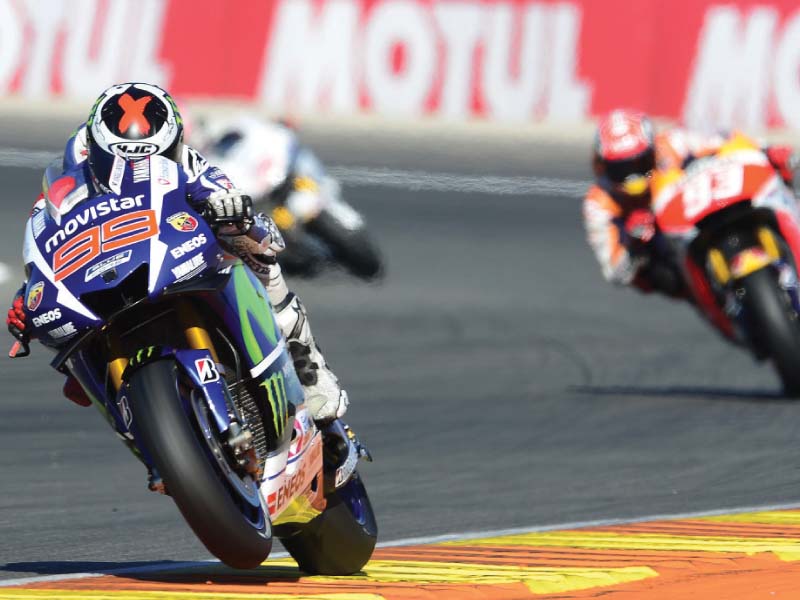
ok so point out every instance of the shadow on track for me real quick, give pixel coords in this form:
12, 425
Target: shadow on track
701, 392
165, 572
66, 567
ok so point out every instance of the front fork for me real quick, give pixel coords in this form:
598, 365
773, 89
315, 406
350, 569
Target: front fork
197, 338
726, 270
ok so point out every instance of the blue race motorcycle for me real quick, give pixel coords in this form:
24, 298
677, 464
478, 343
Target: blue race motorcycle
175, 343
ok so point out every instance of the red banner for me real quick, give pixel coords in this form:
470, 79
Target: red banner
708, 62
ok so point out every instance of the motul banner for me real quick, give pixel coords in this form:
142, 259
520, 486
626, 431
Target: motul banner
703, 61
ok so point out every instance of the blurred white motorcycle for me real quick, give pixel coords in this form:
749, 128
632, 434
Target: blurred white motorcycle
267, 160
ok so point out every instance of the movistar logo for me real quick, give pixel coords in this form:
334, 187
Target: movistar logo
91, 214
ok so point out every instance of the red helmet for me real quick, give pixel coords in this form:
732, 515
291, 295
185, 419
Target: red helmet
624, 151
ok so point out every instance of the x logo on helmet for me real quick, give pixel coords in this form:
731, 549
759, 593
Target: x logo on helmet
134, 113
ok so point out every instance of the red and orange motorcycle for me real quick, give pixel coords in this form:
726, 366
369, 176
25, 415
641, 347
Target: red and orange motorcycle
734, 227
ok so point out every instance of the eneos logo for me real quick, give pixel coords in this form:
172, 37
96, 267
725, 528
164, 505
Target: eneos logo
48, 317
182, 221
35, 295
188, 246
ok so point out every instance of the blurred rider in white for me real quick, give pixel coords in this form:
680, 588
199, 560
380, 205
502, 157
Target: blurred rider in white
144, 118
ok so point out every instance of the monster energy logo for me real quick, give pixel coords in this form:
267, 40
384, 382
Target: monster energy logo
90, 122
143, 354
175, 110
276, 394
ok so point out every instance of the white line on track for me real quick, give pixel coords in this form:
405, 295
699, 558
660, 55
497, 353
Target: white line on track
433, 539
5, 273
31, 159
415, 180
454, 182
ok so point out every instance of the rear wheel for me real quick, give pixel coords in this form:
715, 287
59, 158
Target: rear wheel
340, 541
217, 503
774, 325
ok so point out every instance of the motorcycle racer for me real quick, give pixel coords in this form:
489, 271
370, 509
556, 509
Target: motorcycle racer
617, 213
131, 121
278, 168
268, 159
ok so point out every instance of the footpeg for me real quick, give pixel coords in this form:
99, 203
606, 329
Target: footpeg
363, 451
342, 452
155, 483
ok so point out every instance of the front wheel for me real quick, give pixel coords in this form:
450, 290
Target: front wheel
774, 325
228, 519
304, 255
340, 541
352, 248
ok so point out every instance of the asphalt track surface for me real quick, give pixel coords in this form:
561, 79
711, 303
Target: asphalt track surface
497, 379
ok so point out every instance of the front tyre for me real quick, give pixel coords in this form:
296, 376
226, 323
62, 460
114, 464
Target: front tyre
197, 484
304, 255
353, 249
341, 540
774, 325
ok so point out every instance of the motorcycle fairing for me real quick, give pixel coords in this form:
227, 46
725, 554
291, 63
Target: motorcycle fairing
289, 488
103, 240
683, 203
715, 266
249, 317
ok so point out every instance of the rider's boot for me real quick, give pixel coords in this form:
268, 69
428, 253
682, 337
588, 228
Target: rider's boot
325, 398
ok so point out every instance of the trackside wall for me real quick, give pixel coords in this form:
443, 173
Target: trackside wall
706, 62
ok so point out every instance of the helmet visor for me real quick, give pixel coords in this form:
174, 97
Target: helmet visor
619, 170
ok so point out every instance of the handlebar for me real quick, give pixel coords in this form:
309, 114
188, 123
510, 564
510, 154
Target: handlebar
19, 350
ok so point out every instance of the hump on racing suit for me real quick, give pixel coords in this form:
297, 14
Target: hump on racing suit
202, 179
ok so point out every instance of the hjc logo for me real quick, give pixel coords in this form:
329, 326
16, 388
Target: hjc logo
129, 149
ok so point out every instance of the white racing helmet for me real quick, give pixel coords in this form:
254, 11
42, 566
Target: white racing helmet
130, 121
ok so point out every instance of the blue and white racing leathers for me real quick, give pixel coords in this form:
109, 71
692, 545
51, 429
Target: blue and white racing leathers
325, 398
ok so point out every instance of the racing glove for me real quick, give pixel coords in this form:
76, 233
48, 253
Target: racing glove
640, 226
264, 231
230, 211
15, 320
259, 246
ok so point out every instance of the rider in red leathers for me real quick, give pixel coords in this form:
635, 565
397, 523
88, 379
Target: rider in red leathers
617, 213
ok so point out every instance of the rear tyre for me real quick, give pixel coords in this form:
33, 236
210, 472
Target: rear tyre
351, 248
196, 484
341, 540
775, 325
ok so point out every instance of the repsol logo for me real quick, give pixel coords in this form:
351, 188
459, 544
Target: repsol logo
133, 149
89, 215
